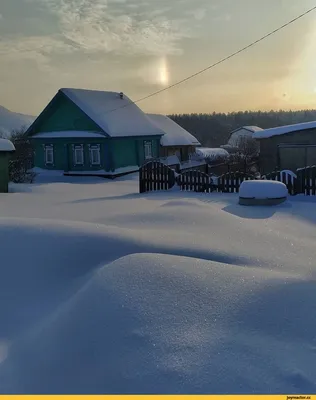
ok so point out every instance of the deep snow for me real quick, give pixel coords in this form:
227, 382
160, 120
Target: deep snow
105, 290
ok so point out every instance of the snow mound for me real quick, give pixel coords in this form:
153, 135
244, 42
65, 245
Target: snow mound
263, 189
149, 323
6, 146
170, 160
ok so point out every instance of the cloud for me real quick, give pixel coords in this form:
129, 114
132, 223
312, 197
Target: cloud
104, 26
198, 14
34, 50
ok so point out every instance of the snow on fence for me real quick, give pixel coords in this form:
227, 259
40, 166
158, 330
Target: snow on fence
157, 176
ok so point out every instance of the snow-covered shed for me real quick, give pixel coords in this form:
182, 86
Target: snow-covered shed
176, 140
92, 132
6, 148
287, 147
245, 131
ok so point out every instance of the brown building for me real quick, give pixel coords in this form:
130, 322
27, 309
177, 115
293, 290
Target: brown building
287, 147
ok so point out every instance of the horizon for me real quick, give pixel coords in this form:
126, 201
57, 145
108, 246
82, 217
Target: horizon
202, 113
140, 47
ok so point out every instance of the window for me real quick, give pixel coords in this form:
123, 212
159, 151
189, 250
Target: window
78, 155
95, 155
148, 150
49, 155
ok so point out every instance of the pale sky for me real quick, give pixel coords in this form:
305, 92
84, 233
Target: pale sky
140, 46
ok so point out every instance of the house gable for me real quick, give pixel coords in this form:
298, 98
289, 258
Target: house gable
62, 114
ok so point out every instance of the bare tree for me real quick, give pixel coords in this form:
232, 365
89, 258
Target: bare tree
247, 151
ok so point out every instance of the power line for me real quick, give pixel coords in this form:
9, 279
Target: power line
220, 61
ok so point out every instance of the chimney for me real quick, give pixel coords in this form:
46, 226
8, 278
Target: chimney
121, 95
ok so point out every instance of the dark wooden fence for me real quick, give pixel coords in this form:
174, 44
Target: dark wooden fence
195, 181
306, 181
155, 176
230, 182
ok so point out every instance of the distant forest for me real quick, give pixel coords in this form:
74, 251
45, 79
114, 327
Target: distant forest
212, 130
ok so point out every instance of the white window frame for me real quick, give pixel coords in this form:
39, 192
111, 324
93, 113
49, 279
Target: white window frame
148, 149
78, 149
49, 149
95, 149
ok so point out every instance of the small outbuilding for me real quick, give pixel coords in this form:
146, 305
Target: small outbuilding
287, 147
176, 141
6, 148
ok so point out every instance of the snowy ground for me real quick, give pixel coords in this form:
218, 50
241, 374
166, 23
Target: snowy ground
104, 290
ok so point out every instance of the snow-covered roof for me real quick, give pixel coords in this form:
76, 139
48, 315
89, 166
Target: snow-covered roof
118, 117
248, 128
68, 134
6, 145
175, 135
282, 130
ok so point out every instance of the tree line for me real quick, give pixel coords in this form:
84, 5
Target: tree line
213, 130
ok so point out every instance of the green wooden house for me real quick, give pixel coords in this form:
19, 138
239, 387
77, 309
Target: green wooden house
6, 148
89, 132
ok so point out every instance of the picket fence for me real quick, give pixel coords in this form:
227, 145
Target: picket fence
155, 176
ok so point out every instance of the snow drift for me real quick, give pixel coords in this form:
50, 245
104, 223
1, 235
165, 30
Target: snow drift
107, 291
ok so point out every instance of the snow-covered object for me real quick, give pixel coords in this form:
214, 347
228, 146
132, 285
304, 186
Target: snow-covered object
212, 153
6, 145
245, 131
251, 128
283, 130
262, 189
117, 116
288, 172
67, 134
10, 121
170, 160
175, 135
